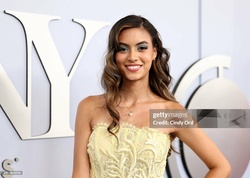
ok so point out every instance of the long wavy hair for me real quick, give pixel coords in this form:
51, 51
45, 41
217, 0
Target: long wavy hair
159, 76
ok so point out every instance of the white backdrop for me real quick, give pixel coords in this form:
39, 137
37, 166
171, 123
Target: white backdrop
190, 30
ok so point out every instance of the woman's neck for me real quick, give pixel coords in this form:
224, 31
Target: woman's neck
135, 92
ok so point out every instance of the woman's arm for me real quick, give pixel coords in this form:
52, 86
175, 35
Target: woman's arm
208, 152
81, 168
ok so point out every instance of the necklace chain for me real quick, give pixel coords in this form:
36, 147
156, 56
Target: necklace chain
130, 113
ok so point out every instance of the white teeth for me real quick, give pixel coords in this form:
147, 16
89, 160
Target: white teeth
133, 67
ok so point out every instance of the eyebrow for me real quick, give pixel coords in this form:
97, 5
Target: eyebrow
142, 42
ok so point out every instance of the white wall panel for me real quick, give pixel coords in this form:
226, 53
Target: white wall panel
225, 30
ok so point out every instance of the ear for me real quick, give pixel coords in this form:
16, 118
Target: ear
155, 53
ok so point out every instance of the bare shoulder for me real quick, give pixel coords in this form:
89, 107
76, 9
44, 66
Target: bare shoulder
94, 110
87, 106
172, 105
93, 100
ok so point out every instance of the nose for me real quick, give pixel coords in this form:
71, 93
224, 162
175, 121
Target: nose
133, 56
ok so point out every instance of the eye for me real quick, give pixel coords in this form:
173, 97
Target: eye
142, 47
122, 48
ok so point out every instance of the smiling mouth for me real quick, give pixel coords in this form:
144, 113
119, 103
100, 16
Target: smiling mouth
133, 68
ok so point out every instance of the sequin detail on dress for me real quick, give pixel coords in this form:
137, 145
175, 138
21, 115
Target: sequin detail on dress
141, 152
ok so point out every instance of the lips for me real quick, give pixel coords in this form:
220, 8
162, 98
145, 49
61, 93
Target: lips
133, 68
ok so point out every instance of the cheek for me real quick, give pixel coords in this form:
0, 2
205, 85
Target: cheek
120, 59
147, 58
148, 61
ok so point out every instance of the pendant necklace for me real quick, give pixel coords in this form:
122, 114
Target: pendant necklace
130, 113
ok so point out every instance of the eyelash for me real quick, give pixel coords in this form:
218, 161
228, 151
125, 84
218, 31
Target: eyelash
122, 49
140, 48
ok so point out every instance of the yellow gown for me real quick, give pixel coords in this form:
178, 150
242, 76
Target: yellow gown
138, 152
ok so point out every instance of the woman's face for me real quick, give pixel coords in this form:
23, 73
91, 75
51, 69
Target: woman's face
135, 55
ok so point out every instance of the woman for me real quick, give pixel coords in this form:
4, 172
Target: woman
112, 134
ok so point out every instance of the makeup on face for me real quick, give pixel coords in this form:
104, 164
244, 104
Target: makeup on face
141, 46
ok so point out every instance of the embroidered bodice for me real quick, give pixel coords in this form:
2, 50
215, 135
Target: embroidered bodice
140, 152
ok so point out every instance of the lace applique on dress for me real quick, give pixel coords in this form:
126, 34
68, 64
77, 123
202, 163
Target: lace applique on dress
140, 153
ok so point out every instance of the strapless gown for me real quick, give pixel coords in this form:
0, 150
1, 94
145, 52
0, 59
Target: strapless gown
138, 153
